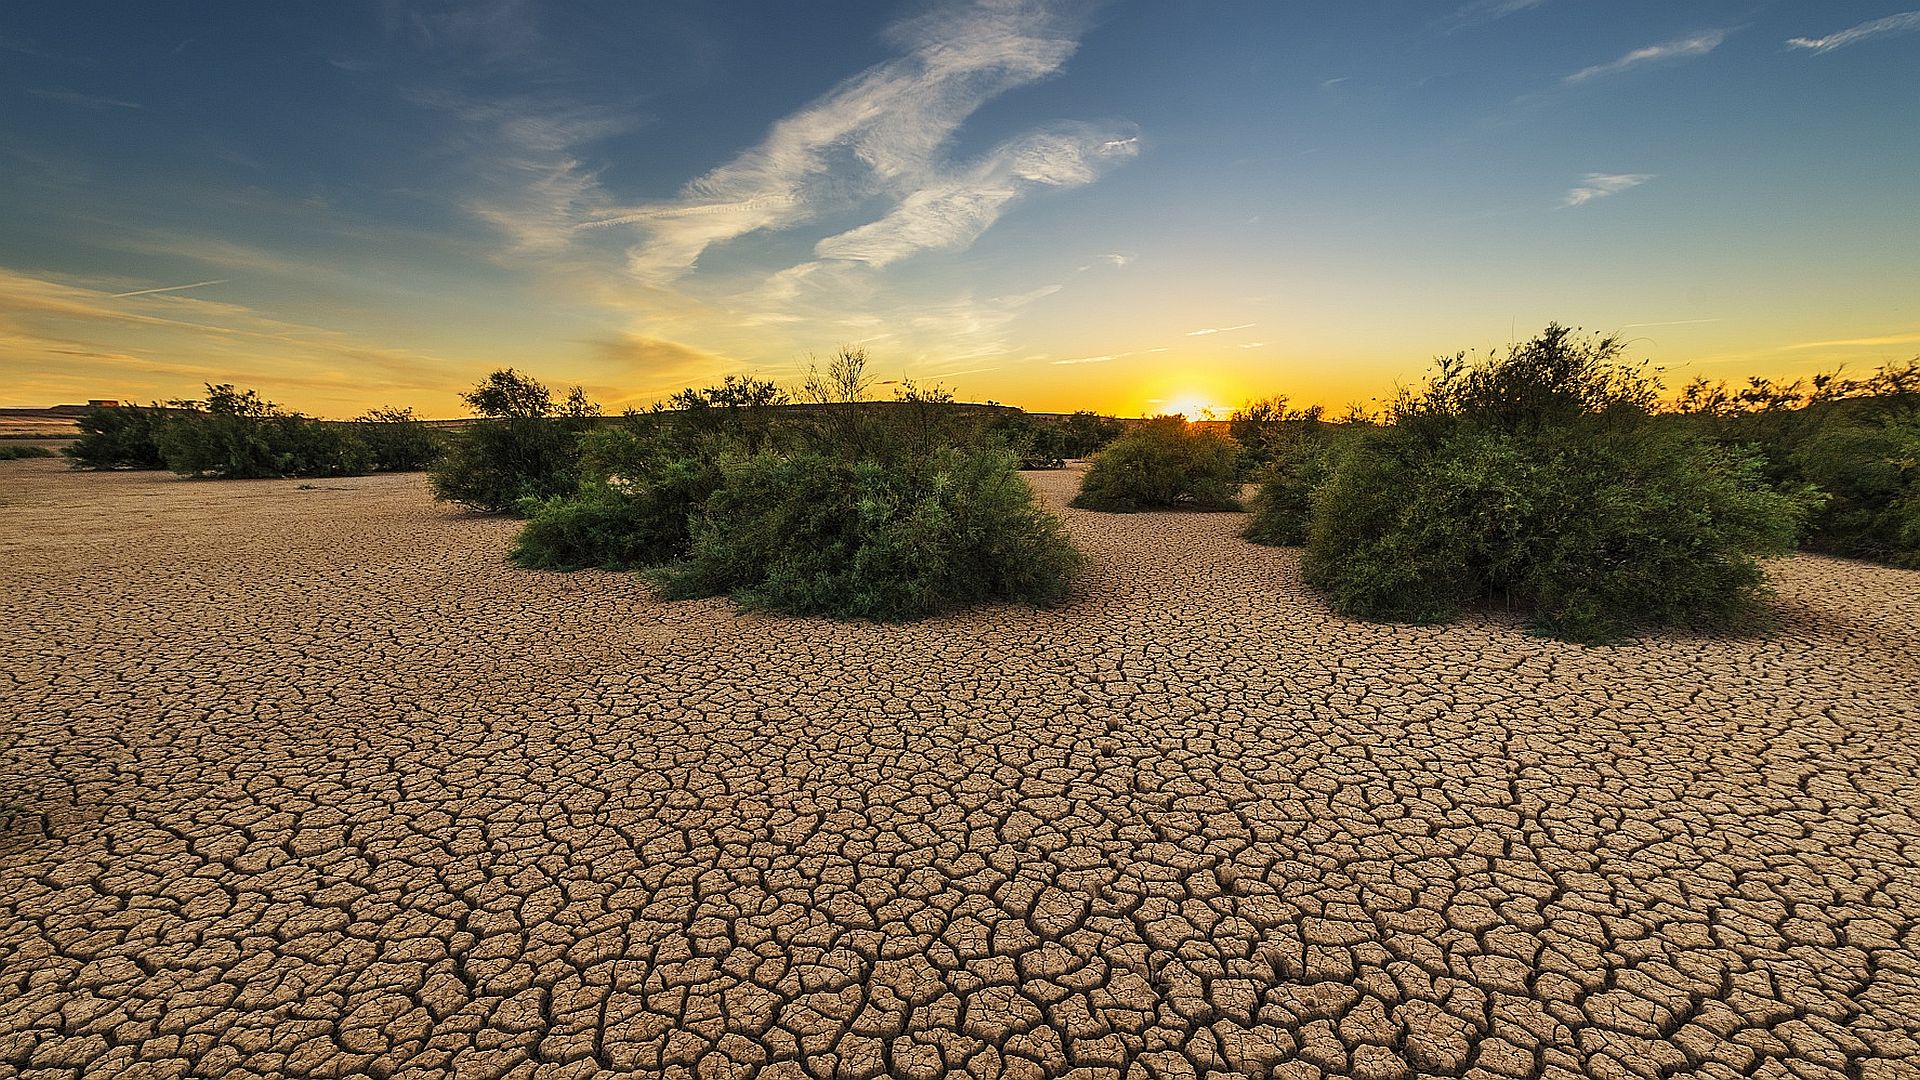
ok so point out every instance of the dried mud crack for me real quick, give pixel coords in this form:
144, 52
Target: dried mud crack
311, 783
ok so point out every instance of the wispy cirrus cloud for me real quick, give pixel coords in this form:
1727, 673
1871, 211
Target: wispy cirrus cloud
535, 187
1679, 48
1485, 11
1600, 185
882, 134
1904, 23
1207, 330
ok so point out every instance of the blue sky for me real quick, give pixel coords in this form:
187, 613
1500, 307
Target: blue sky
1121, 205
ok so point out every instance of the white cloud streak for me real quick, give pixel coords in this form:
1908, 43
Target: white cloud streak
1904, 23
883, 133
1485, 11
1206, 330
1600, 185
1699, 44
168, 289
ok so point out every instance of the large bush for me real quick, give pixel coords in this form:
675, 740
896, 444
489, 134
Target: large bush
1163, 464
1536, 479
523, 451
238, 435
816, 533
849, 508
119, 437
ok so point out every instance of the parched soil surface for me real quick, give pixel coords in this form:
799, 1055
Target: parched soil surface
310, 782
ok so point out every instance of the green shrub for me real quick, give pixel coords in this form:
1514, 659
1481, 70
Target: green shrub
815, 533
120, 437
1035, 443
622, 522
524, 451
1298, 459
1162, 464
1856, 439
1595, 531
1268, 427
397, 440
1871, 472
1084, 434
17, 451
238, 435
1537, 479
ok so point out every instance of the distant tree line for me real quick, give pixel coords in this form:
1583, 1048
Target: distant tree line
238, 435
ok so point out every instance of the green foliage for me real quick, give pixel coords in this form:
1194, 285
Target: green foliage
847, 507
1263, 428
17, 451
1299, 457
620, 521
1871, 471
1537, 479
1035, 443
524, 451
396, 440
1855, 439
1085, 434
1163, 464
120, 437
816, 533
238, 435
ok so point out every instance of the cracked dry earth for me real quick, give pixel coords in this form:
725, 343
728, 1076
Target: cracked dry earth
311, 783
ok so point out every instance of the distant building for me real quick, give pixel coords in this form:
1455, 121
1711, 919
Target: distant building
102, 403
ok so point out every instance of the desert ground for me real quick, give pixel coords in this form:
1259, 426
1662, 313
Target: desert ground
305, 780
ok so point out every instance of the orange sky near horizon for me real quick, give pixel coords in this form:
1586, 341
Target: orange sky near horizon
65, 342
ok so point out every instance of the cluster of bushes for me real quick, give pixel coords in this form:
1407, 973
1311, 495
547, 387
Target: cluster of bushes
1163, 464
853, 509
1543, 479
236, 434
1855, 440
17, 451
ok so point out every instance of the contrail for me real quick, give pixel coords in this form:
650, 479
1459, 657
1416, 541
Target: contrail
170, 288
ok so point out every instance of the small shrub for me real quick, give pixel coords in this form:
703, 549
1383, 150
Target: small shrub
814, 533
524, 451
120, 437
1162, 464
1538, 480
18, 451
397, 440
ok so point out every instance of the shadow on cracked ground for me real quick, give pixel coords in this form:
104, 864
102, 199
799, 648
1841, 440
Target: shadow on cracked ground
310, 782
